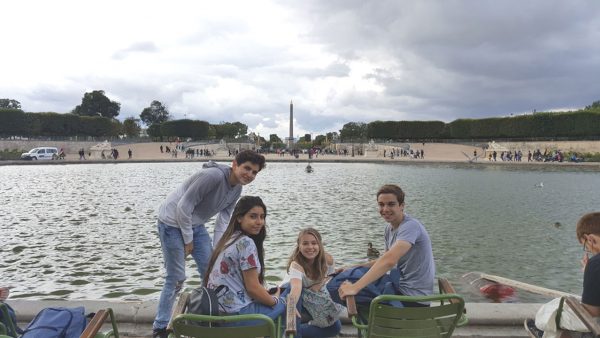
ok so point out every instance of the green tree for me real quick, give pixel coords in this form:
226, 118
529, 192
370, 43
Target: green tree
320, 140
594, 106
273, 138
96, 126
197, 130
13, 122
354, 131
97, 104
154, 131
332, 136
131, 127
10, 104
156, 113
229, 130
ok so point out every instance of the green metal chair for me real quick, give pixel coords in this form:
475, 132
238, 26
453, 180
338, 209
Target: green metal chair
188, 325
383, 320
92, 330
9, 330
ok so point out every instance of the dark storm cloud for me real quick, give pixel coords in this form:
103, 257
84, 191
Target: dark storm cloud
339, 60
468, 58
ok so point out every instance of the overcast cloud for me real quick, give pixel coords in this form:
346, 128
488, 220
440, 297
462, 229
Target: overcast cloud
339, 61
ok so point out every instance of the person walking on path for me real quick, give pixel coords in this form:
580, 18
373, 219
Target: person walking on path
214, 190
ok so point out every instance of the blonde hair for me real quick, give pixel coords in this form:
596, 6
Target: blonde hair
318, 269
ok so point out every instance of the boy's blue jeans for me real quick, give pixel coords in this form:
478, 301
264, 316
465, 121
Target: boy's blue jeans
171, 242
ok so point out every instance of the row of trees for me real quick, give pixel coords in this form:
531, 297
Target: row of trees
577, 125
14, 122
96, 114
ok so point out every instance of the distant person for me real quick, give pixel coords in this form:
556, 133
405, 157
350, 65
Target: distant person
407, 248
129, 152
161, 148
588, 234
211, 191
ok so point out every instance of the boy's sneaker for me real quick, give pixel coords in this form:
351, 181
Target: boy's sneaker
533, 331
160, 333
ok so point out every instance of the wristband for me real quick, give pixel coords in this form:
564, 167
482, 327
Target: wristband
276, 299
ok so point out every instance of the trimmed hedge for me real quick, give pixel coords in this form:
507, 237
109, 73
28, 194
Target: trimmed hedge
575, 125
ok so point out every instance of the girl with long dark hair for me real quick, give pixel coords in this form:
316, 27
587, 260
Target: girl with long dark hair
236, 268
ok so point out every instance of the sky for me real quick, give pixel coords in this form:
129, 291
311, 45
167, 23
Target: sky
339, 61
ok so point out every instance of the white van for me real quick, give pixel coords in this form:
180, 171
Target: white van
41, 153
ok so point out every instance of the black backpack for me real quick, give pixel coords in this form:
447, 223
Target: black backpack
203, 301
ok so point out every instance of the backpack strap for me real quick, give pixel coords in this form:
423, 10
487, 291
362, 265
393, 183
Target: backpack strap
559, 312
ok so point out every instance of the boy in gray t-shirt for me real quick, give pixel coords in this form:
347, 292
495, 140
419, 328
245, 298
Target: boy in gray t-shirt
416, 266
407, 246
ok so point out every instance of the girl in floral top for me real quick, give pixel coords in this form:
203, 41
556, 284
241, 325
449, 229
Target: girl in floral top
236, 268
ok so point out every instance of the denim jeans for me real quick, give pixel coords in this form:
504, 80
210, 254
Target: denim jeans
305, 330
311, 331
255, 307
171, 242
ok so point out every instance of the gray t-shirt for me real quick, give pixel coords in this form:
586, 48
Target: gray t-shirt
417, 269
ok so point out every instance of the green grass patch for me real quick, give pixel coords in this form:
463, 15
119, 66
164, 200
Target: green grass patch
7, 154
587, 157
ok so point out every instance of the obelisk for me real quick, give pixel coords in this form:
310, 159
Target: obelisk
291, 138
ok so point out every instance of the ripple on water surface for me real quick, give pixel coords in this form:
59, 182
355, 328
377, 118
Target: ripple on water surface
96, 236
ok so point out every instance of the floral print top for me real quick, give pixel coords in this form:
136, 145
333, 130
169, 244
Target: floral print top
226, 276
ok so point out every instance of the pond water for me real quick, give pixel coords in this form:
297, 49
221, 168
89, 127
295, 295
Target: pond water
89, 231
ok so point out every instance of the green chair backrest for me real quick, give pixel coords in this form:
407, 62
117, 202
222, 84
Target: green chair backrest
186, 325
435, 321
9, 330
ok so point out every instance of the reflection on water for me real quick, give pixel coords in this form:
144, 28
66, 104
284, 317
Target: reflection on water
88, 231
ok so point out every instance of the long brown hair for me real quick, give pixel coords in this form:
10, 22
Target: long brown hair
242, 207
318, 269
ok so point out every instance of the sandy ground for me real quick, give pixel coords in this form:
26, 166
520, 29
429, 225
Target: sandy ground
436, 152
